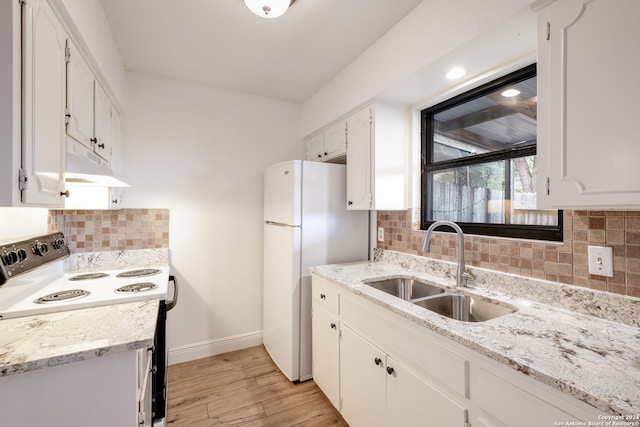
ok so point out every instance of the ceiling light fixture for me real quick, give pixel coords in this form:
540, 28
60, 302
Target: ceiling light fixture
268, 8
455, 73
510, 93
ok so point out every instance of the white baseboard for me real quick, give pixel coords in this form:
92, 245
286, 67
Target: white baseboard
214, 347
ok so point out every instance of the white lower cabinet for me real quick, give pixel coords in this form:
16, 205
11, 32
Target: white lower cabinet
412, 401
378, 390
362, 381
326, 356
392, 372
104, 391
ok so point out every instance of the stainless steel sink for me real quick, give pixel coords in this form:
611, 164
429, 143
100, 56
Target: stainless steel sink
464, 308
406, 288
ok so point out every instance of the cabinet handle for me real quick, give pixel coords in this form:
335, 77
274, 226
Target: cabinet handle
378, 361
319, 155
323, 296
326, 154
333, 326
65, 194
94, 140
390, 370
349, 202
101, 145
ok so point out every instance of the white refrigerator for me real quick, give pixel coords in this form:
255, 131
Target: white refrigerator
306, 223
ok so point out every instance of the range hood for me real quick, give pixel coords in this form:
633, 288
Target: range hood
86, 168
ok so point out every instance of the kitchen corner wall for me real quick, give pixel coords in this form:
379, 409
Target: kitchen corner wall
565, 262
110, 230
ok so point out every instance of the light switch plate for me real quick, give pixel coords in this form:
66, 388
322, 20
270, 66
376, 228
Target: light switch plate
380, 234
601, 261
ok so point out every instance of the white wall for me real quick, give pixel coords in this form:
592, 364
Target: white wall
20, 223
430, 31
201, 152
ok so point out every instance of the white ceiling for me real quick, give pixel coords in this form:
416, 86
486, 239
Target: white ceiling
221, 43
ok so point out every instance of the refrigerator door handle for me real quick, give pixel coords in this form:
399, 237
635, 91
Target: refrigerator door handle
279, 224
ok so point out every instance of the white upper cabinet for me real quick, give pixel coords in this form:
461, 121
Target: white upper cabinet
588, 147
359, 161
377, 158
43, 122
80, 83
89, 110
329, 145
103, 112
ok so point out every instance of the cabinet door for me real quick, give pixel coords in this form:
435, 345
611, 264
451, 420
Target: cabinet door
79, 98
587, 145
359, 192
43, 145
412, 401
102, 122
504, 404
315, 147
363, 379
335, 141
326, 352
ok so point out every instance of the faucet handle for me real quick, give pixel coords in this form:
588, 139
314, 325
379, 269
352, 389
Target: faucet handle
466, 278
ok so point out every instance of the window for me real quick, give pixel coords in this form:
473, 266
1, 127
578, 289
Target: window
479, 161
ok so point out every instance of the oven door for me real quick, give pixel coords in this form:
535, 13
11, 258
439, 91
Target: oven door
160, 355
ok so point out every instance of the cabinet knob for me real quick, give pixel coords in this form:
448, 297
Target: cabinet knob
94, 140
349, 202
323, 296
319, 155
378, 361
101, 145
390, 370
65, 194
326, 154
333, 326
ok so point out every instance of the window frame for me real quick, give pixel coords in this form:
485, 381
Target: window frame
533, 232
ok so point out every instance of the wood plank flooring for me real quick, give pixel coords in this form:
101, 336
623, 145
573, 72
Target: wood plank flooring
243, 388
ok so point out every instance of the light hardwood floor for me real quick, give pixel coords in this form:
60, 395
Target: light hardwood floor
243, 388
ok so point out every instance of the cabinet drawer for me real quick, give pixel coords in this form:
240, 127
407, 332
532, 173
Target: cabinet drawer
326, 294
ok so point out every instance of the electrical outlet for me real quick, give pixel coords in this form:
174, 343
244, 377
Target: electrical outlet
380, 234
600, 261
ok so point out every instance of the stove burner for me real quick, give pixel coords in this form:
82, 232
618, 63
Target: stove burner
139, 273
137, 287
62, 296
88, 276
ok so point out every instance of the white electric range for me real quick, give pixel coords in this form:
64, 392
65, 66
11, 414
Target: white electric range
35, 283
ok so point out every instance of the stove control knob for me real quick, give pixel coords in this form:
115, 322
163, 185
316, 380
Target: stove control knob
22, 255
58, 243
10, 258
40, 248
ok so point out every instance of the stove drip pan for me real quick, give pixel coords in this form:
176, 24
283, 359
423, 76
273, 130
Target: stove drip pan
62, 296
88, 276
136, 287
139, 273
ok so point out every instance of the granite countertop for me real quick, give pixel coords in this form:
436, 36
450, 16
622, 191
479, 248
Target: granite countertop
42, 341
593, 359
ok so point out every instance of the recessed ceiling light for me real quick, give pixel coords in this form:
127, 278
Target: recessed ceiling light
455, 73
510, 93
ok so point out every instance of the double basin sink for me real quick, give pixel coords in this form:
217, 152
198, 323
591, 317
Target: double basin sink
448, 304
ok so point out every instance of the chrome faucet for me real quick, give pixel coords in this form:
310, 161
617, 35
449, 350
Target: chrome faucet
461, 274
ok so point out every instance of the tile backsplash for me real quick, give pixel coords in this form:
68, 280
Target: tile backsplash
564, 262
109, 230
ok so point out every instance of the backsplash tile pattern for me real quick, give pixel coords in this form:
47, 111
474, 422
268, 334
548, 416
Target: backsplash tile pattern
109, 230
565, 262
